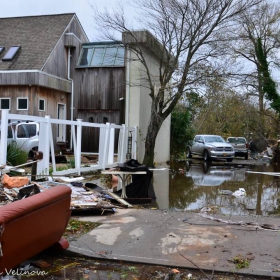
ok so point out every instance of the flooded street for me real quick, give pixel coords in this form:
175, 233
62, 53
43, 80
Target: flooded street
192, 185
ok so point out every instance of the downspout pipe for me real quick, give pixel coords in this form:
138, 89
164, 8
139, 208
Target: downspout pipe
72, 96
127, 101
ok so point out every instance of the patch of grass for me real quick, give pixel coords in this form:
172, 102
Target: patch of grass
71, 163
241, 262
15, 155
77, 228
58, 168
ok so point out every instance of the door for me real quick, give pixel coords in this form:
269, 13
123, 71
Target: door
61, 128
197, 147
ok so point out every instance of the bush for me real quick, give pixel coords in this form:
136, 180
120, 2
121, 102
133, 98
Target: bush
16, 156
181, 131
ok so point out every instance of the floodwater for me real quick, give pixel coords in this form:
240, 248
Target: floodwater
192, 185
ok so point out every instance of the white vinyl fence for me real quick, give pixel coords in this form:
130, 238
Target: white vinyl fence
106, 155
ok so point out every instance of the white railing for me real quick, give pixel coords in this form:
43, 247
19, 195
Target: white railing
106, 156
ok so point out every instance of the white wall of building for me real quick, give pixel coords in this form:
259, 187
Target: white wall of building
138, 109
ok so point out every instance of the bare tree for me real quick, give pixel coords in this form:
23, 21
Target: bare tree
188, 31
257, 31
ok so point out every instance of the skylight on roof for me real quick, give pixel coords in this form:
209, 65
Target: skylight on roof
2, 49
102, 56
11, 53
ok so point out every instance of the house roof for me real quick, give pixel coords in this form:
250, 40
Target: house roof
37, 36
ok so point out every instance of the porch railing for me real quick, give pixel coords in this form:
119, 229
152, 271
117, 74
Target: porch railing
106, 156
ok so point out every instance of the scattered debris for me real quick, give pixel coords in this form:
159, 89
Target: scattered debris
28, 190
41, 264
240, 192
69, 180
85, 196
14, 182
226, 192
203, 213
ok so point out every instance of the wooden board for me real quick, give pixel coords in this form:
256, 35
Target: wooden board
135, 200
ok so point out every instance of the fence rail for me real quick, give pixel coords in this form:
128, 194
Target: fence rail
107, 156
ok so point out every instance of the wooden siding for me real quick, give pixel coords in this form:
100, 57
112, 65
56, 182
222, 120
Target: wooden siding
100, 88
34, 93
57, 63
99, 92
90, 139
36, 78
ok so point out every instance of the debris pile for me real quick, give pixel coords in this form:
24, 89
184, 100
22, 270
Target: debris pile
15, 188
85, 197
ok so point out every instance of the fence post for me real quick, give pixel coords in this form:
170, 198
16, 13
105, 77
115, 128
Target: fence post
106, 142
111, 146
43, 166
123, 145
4, 137
73, 135
79, 146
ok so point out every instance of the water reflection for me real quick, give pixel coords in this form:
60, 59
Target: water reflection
194, 185
161, 187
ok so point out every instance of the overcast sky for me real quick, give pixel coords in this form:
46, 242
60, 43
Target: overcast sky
15, 8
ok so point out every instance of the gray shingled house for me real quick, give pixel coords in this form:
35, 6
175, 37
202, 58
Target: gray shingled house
38, 56
41, 73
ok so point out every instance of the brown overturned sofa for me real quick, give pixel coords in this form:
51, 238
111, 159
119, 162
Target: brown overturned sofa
33, 224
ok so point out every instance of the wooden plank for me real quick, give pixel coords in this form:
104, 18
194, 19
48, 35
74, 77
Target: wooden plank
119, 199
135, 200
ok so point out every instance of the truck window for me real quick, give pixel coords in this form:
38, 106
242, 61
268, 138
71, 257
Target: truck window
21, 132
26, 130
31, 129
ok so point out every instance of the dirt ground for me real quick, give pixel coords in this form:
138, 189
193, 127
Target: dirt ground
69, 266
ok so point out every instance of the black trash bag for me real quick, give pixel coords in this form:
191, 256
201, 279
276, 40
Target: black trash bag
28, 191
142, 184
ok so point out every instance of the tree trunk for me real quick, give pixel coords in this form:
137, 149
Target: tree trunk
261, 109
152, 132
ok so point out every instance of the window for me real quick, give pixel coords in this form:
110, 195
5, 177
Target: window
109, 56
11, 53
86, 57
22, 104
21, 132
97, 57
101, 55
30, 130
120, 57
5, 103
41, 105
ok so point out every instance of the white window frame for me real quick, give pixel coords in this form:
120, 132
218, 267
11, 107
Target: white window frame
41, 99
9, 102
18, 98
